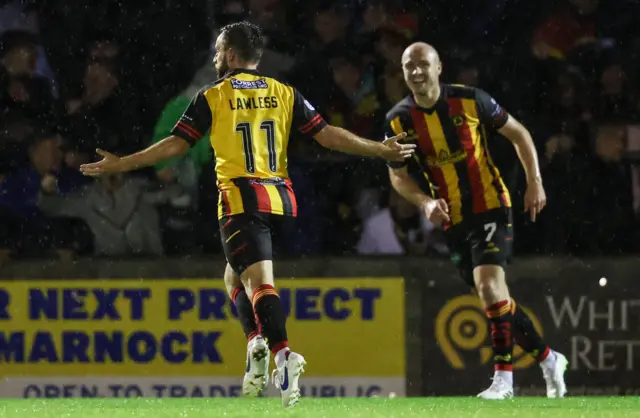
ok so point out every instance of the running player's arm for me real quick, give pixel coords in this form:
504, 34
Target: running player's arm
407, 187
491, 114
435, 209
308, 121
494, 116
195, 120
399, 175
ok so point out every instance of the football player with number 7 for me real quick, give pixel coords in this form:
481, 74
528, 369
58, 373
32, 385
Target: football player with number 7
453, 179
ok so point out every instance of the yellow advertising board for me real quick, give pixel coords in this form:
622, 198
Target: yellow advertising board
94, 335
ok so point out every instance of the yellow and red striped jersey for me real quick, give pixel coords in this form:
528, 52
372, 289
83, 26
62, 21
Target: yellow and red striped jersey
250, 117
452, 158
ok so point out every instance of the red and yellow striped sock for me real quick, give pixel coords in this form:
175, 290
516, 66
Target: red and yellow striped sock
501, 339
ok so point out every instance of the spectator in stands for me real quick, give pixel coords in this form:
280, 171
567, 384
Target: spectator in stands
184, 170
611, 208
119, 210
179, 213
330, 24
329, 29
564, 120
30, 232
15, 130
355, 103
616, 100
21, 89
400, 228
389, 45
271, 16
20, 189
100, 117
110, 68
22, 16
468, 74
573, 23
387, 14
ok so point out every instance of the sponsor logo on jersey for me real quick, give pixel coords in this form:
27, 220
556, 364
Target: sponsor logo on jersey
253, 84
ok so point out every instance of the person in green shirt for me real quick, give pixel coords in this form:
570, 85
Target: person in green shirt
184, 170
179, 215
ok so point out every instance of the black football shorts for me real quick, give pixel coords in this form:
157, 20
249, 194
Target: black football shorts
247, 238
484, 239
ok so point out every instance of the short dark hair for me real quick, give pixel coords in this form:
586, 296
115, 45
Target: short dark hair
246, 39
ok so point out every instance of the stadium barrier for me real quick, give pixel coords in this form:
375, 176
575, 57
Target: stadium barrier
368, 327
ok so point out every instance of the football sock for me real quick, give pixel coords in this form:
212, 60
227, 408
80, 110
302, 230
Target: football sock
526, 335
501, 319
270, 316
245, 312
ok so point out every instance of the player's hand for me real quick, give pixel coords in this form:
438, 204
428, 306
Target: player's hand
396, 151
437, 211
535, 199
109, 164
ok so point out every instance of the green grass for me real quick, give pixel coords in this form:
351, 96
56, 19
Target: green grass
315, 408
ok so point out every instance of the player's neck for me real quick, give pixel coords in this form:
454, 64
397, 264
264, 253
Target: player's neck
429, 99
244, 66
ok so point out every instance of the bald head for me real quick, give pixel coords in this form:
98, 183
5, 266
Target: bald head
420, 50
421, 67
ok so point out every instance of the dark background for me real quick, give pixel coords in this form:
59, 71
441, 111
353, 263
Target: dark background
74, 77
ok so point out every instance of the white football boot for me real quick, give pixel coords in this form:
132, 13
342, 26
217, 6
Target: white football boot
286, 377
500, 389
553, 372
256, 374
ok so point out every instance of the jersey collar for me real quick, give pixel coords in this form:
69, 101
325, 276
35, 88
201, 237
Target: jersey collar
241, 71
443, 97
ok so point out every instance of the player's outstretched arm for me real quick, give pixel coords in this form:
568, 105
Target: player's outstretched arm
169, 147
437, 210
342, 140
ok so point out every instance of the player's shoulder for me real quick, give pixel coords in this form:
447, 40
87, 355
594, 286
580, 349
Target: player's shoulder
400, 109
460, 91
211, 86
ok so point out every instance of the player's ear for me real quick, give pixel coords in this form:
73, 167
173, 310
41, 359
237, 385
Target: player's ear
439, 68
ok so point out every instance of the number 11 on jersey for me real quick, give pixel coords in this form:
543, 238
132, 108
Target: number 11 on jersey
247, 145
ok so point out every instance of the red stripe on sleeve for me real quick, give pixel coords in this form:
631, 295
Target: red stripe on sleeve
190, 130
475, 178
309, 125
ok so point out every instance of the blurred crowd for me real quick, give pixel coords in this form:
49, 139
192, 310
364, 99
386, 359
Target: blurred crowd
117, 75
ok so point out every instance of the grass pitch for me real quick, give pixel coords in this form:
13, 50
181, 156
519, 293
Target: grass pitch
324, 407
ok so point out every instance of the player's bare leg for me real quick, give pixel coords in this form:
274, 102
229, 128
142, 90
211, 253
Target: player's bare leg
258, 280
493, 291
256, 374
